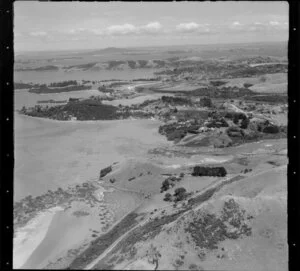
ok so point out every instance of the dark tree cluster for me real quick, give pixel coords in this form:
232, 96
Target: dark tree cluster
105, 171
206, 102
169, 183
179, 195
209, 171
176, 100
63, 84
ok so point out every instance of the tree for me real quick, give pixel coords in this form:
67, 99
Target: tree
247, 85
179, 193
245, 123
205, 102
165, 185
236, 119
167, 197
23, 110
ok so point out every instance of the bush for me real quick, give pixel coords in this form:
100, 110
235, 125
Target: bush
112, 180
272, 129
247, 85
245, 123
179, 193
168, 197
206, 102
165, 185
235, 132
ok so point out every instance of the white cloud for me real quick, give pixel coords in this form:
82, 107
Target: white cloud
77, 30
152, 27
38, 34
121, 29
187, 27
236, 23
274, 23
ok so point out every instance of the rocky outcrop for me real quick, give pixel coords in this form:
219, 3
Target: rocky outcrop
209, 171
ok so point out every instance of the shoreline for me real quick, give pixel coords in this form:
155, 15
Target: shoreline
37, 229
81, 121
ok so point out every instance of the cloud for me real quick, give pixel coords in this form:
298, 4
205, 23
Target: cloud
152, 27
187, 27
38, 34
236, 23
77, 30
193, 28
124, 29
274, 23
265, 26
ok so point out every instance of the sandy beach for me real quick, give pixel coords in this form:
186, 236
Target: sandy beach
29, 237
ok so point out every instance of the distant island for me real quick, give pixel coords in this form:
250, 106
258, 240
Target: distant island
65, 86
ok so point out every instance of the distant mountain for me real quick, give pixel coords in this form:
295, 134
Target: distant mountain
110, 50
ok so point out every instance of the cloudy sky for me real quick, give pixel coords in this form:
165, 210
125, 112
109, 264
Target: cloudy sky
79, 25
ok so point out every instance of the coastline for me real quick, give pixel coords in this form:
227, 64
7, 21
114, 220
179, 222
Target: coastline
31, 235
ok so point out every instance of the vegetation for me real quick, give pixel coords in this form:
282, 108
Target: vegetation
176, 100
217, 83
208, 230
45, 89
180, 194
268, 98
105, 171
209, 171
206, 102
63, 84
22, 85
99, 245
168, 197
81, 110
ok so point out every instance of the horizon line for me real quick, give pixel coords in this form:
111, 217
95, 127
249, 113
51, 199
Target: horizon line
148, 46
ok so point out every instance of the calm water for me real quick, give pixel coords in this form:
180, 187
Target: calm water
56, 76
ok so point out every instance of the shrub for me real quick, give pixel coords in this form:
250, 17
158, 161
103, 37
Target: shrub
168, 197
206, 102
247, 85
235, 132
236, 119
272, 129
245, 123
180, 193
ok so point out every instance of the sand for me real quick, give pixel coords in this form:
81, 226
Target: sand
29, 237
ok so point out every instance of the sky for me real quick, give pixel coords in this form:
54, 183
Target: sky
50, 26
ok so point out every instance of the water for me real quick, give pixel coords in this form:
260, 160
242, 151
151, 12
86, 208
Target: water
47, 77
27, 99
